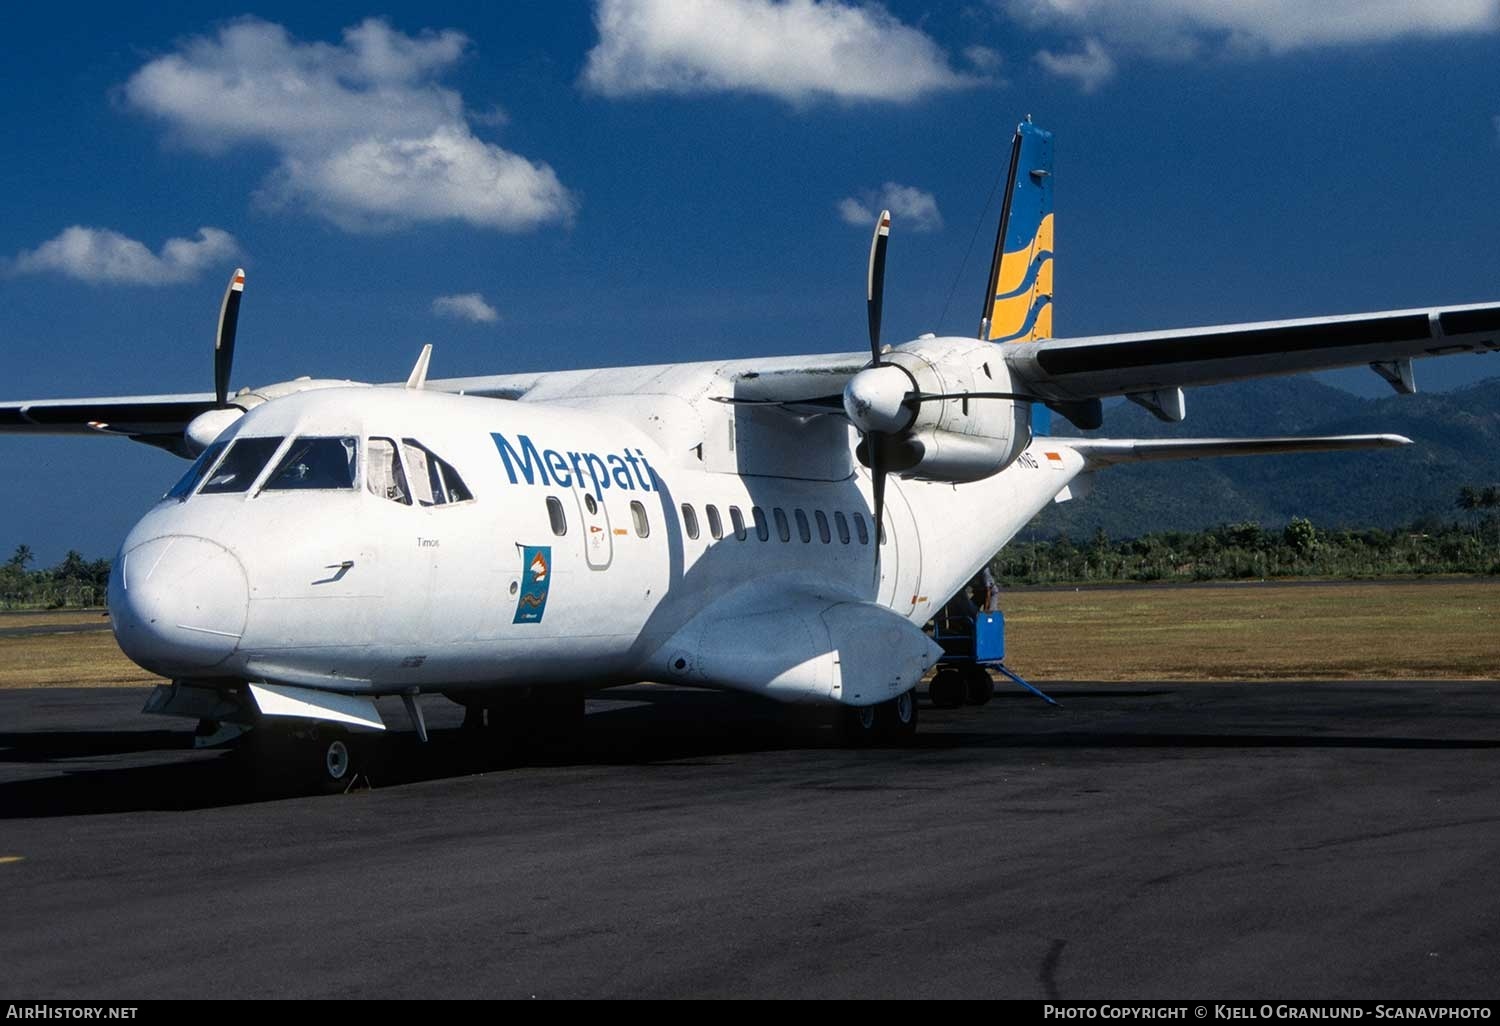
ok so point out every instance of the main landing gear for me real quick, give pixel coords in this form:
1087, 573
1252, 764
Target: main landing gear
892, 722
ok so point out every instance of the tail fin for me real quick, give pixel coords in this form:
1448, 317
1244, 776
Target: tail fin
1018, 299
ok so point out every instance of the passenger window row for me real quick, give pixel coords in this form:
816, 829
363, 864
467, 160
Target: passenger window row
691, 526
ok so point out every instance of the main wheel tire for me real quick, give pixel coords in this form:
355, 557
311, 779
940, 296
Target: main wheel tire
859, 726
947, 689
979, 686
898, 718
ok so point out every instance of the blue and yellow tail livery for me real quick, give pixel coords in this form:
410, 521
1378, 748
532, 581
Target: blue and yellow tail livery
1018, 305
1018, 299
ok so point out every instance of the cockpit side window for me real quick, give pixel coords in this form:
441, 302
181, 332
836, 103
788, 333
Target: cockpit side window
383, 474
316, 463
201, 466
433, 481
241, 465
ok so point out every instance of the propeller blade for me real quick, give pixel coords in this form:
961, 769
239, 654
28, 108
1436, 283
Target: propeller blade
876, 450
229, 317
875, 283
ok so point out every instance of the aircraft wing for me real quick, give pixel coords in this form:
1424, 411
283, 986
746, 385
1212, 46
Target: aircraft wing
1108, 365
155, 419
1108, 452
773, 379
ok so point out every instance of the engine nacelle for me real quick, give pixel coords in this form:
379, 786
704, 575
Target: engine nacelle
960, 439
203, 429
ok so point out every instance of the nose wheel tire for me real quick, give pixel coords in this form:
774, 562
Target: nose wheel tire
336, 762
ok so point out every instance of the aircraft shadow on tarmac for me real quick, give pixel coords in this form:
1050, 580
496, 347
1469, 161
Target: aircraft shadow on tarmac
158, 770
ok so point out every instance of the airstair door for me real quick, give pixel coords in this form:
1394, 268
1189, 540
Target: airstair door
598, 543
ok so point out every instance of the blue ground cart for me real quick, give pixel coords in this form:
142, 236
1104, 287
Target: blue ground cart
972, 646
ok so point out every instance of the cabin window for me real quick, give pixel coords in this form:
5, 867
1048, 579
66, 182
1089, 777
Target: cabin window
241, 465
556, 516
638, 514
433, 481
841, 522
738, 520
715, 525
315, 463
783, 529
590, 505
803, 531
690, 521
201, 466
861, 530
762, 530
383, 474
822, 519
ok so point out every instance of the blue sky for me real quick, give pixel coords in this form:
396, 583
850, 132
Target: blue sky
650, 180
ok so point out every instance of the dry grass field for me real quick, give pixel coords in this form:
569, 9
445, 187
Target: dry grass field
1400, 631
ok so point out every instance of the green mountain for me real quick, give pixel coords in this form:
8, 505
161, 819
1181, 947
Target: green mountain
1457, 436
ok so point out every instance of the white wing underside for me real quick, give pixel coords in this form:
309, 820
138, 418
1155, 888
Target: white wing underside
1108, 452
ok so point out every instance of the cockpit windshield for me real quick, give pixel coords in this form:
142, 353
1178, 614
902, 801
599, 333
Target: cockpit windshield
202, 465
424, 477
241, 465
316, 463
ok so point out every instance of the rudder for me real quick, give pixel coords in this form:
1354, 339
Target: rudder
1018, 298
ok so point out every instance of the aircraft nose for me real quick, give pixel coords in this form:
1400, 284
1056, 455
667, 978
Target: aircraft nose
178, 603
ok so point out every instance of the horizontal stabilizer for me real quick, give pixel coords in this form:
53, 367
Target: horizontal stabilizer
1106, 452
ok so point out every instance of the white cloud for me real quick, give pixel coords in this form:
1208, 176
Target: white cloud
467, 306
911, 208
1184, 28
794, 50
363, 133
984, 58
102, 255
1091, 67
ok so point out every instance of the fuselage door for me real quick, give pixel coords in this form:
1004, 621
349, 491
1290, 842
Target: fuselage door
598, 545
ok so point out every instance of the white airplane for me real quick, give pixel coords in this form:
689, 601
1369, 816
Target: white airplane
782, 527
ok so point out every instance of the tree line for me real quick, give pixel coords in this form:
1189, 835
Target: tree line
1248, 551
75, 582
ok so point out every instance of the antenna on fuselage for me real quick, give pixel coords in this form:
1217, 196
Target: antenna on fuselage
418, 377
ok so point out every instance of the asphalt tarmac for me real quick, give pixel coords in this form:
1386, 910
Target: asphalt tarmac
1174, 840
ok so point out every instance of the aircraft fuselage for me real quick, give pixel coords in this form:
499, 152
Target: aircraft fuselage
351, 588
